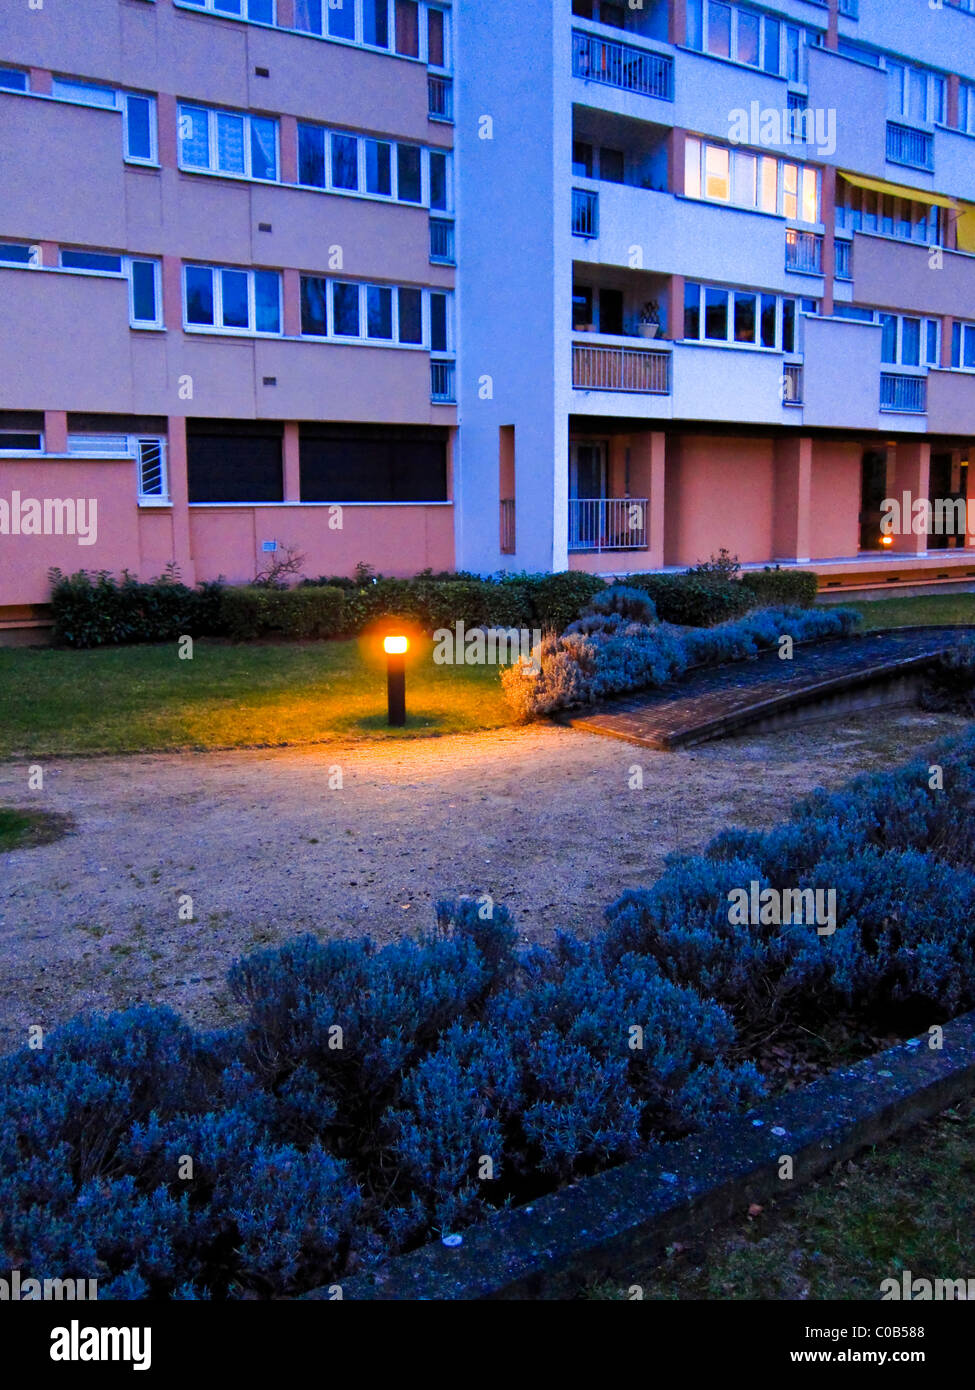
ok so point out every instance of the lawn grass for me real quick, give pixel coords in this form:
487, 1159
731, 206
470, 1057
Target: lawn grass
926, 608
144, 699
906, 1204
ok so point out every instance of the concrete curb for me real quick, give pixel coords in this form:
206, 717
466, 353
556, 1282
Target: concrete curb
608, 1223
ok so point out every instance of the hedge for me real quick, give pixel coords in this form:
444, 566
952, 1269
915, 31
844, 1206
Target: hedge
246, 613
694, 599
773, 585
606, 653
95, 610
350, 1114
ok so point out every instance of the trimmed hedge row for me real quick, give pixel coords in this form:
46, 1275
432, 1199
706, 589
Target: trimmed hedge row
351, 1113
246, 613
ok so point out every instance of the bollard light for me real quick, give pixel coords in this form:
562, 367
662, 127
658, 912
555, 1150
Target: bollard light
396, 649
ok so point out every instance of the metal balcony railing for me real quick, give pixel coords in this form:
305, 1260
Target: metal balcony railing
507, 526
441, 241
913, 148
585, 213
442, 382
907, 394
844, 260
440, 94
620, 369
792, 384
803, 252
622, 65
607, 523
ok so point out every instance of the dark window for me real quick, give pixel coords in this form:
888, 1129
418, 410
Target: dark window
410, 316
612, 14
379, 168
341, 21
611, 311
311, 156
438, 323
438, 181
378, 465
408, 28
436, 43
716, 314
692, 311
234, 465
345, 162
581, 159
581, 306
346, 309
375, 20
314, 305
408, 164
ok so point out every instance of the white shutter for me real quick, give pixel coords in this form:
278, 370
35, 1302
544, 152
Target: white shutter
152, 469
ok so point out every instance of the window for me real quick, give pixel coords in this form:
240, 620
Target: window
966, 107
377, 313
227, 461
226, 300
345, 163
436, 38
17, 441
963, 345
375, 23
257, 11
582, 310
362, 463
228, 142
145, 296
745, 36
742, 317
905, 341
11, 80
84, 93
915, 94
737, 176
408, 28
19, 253
149, 452
102, 262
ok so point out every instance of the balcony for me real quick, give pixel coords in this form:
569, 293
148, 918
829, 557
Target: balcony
803, 252
442, 383
912, 148
623, 66
440, 98
893, 274
441, 241
585, 213
907, 395
607, 523
645, 371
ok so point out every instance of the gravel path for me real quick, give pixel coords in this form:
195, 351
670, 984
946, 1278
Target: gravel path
543, 819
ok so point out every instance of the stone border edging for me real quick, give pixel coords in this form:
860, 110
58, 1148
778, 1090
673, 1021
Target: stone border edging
612, 1221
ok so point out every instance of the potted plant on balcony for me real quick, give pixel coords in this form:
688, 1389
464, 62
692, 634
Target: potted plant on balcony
649, 325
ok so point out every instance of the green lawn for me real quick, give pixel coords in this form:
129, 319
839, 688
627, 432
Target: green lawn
131, 699
907, 1204
18, 827
928, 608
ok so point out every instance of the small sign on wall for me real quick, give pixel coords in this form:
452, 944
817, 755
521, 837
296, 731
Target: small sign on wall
269, 547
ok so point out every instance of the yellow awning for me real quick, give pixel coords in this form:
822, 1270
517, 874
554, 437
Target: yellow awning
899, 190
965, 227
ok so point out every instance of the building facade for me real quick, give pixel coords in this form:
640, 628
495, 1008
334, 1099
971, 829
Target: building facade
548, 285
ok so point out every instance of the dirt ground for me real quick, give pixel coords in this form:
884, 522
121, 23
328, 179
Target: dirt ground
544, 819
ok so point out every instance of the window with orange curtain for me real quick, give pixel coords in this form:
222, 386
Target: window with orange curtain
408, 28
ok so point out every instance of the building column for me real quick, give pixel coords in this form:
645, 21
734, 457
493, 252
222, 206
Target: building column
167, 121
288, 136
833, 25
292, 461
909, 471
180, 497
55, 432
657, 494
675, 308
676, 141
954, 92
41, 81
677, 28
291, 289
792, 499
827, 214
50, 254
947, 324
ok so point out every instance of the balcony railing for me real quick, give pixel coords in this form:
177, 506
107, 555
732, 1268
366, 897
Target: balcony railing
607, 523
441, 241
507, 526
585, 213
620, 369
442, 382
803, 252
907, 394
440, 91
844, 260
913, 148
792, 384
622, 65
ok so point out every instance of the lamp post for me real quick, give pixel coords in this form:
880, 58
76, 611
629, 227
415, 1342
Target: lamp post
395, 649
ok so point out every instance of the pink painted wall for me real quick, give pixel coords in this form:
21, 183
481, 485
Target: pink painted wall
835, 499
719, 493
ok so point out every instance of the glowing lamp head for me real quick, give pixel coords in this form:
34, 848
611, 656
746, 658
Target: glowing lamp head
395, 646
886, 540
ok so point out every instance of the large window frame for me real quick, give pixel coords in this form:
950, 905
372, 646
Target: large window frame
148, 452
132, 269
751, 38
188, 120
253, 11
218, 300
369, 297
310, 134
80, 93
747, 177
774, 318
887, 215
402, 28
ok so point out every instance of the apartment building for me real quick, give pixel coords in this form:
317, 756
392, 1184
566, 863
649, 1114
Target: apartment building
227, 278
532, 284
729, 284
